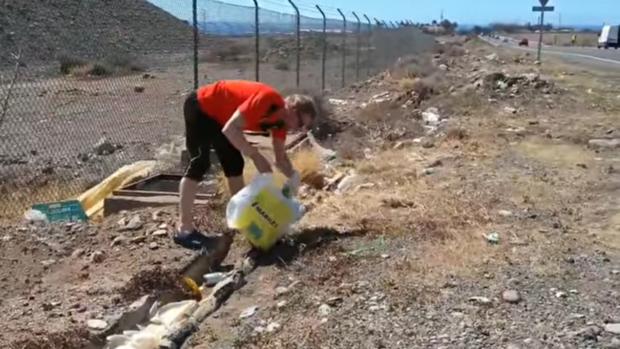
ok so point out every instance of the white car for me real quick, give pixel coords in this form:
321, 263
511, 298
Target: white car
609, 37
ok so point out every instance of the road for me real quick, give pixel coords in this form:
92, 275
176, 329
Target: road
601, 58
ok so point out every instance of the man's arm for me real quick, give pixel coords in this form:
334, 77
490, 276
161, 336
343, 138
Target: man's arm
283, 163
233, 130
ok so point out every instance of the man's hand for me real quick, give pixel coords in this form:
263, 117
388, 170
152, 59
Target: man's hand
293, 183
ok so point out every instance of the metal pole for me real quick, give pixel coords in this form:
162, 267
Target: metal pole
257, 38
344, 45
298, 41
358, 44
542, 21
195, 18
324, 56
369, 43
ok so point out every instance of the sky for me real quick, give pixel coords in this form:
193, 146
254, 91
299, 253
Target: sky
567, 12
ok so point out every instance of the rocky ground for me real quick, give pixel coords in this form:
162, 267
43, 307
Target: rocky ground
481, 214
472, 202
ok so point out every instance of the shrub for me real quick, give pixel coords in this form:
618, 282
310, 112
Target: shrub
68, 63
282, 65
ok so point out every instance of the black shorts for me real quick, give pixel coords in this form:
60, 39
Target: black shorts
202, 133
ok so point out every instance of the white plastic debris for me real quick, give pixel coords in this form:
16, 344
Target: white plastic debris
431, 116
248, 312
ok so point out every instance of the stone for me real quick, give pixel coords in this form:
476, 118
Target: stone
443, 67
7, 238
78, 252
49, 262
511, 296
134, 223
428, 171
590, 332
614, 344
138, 88
281, 290
560, 294
118, 240
492, 57
615, 272
153, 246
272, 327
138, 239
403, 144
324, 310
281, 304
347, 183
104, 147
436, 163
510, 110
480, 300
97, 257
95, 324
604, 143
160, 232
428, 143
613, 328
504, 213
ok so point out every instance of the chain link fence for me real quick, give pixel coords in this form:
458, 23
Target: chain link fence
86, 88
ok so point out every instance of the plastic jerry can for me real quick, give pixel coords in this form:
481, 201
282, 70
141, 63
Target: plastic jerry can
262, 213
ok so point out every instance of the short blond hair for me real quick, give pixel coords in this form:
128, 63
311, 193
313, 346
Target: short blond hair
303, 104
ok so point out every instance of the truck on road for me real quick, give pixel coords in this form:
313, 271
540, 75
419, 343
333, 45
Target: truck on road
609, 37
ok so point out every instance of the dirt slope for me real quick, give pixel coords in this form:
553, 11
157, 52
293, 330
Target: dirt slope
86, 28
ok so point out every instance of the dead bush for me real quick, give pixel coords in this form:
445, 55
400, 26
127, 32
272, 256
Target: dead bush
281, 65
456, 133
455, 50
113, 64
423, 88
224, 52
91, 69
412, 67
68, 63
122, 63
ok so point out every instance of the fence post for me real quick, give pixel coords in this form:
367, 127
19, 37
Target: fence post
358, 44
298, 41
324, 56
195, 18
344, 45
257, 44
369, 43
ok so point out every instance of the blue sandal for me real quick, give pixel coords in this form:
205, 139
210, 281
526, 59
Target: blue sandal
193, 240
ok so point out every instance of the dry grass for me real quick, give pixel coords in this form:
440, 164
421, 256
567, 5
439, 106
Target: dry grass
15, 202
412, 67
305, 161
400, 203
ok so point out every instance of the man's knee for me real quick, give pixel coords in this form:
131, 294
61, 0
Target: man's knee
197, 168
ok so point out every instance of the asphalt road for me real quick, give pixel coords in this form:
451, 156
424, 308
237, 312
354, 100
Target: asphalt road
601, 58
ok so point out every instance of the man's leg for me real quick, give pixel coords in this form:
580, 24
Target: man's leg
187, 190
197, 141
232, 162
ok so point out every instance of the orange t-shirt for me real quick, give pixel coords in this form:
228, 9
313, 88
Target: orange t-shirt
256, 101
